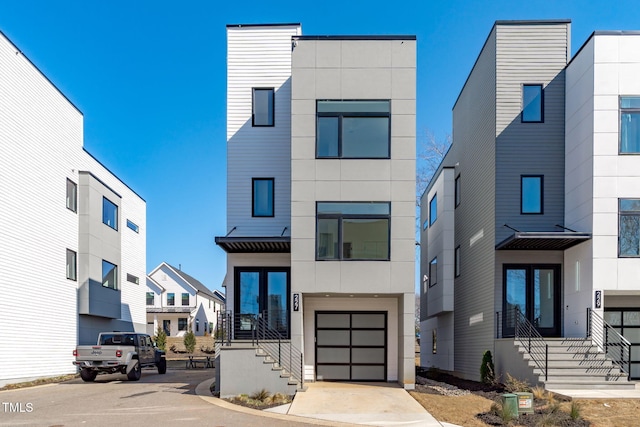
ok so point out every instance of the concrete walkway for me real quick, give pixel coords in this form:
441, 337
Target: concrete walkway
599, 394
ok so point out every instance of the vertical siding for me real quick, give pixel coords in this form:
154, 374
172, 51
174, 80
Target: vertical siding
258, 57
529, 54
474, 130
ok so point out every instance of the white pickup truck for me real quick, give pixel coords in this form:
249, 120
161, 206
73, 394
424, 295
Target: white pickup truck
124, 352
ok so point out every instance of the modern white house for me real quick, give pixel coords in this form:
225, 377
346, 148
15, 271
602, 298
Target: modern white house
320, 207
72, 234
530, 225
176, 302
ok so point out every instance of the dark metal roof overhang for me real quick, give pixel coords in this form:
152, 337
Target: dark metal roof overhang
275, 244
169, 309
543, 240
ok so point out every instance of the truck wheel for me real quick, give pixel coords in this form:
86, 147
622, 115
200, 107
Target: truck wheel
135, 373
162, 366
88, 375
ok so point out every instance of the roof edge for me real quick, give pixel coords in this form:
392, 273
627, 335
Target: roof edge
291, 24
356, 37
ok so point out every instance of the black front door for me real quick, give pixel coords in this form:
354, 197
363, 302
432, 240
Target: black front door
535, 290
261, 291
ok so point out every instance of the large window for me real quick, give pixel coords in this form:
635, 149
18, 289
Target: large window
531, 194
630, 124
185, 298
263, 197
433, 272
72, 196
171, 298
109, 213
71, 265
262, 107
532, 103
150, 298
182, 323
353, 129
629, 228
433, 209
109, 275
353, 231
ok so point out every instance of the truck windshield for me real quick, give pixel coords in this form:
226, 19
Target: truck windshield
117, 339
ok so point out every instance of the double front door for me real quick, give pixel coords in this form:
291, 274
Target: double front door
264, 292
535, 290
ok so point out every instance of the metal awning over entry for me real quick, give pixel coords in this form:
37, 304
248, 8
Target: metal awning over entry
543, 240
276, 244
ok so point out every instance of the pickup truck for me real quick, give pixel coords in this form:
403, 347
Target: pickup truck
124, 352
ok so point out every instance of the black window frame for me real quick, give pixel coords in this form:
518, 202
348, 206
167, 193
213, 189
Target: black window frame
106, 202
433, 213
133, 226
171, 299
253, 107
340, 217
522, 178
115, 286
457, 191
433, 272
626, 213
72, 197
151, 296
456, 262
183, 324
522, 117
183, 297
340, 115
133, 279
253, 197
72, 273
626, 110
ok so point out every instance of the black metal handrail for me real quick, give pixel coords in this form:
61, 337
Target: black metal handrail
615, 346
532, 341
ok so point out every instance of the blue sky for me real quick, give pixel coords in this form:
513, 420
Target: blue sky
149, 77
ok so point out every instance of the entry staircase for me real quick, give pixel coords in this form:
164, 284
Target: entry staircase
599, 361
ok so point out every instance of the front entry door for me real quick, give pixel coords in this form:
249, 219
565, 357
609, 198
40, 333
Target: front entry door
535, 290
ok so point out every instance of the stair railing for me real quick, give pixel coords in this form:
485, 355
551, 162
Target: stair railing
529, 337
615, 346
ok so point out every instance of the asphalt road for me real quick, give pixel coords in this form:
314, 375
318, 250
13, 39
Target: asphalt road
155, 400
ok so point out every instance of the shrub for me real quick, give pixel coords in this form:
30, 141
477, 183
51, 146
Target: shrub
260, 396
539, 392
487, 370
190, 341
575, 410
514, 385
502, 411
161, 338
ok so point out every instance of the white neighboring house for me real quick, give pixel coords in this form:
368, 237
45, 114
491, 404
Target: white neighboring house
72, 234
177, 301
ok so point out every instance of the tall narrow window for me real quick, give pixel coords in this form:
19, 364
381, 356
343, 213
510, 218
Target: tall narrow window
109, 275
630, 124
171, 298
109, 213
532, 103
433, 272
263, 197
263, 106
433, 209
185, 298
457, 191
72, 196
150, 298
531, 194
629, 227
456, 262
71, 265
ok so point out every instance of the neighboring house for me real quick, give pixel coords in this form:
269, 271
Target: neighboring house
73, 234
536, 206
320, 202
176, 302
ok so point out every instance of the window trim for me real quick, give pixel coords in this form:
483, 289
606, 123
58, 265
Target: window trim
340, 217
74, 208
433, 278
72, 275
457, 190
273, 107
115, 224
541, 86
522, 177
350, 114
622, 213
456, 262
433, 216
620, 112
253, 197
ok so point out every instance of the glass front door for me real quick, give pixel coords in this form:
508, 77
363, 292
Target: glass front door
534, 290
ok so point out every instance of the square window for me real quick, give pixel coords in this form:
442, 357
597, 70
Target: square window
262, 107
353, 231
72, 265
171, 298
433, 272
457, 191
72, 196
532, 103
263, 197
185, 298
433, 209
456, 261
109, 213
630, 124
109, 275
182, 323
353, 129
150, 298
531, 189
629, 227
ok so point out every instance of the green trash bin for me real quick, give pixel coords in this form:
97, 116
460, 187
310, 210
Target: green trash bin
510, 404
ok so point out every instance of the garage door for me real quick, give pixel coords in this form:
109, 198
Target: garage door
351, 346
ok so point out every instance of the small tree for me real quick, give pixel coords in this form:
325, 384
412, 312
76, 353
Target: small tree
487, 370
190, 341
161, 338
